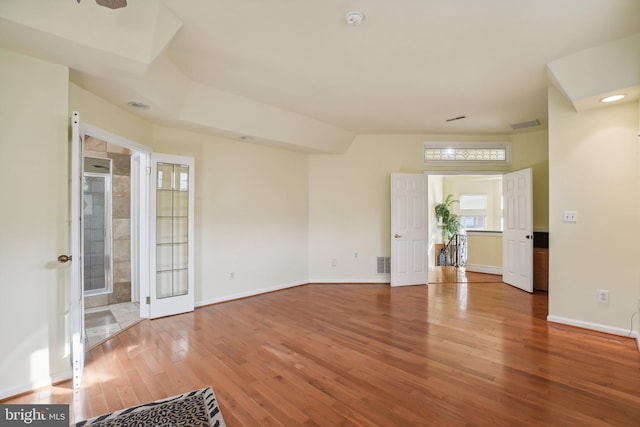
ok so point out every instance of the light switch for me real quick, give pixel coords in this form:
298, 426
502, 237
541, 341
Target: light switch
570, 216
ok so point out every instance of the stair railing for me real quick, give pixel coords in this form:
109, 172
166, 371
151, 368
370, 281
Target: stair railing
454, 253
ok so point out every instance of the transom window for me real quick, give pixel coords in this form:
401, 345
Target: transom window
467, 152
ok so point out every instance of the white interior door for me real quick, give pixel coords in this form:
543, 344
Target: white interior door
77, 276
517, 243
171, 211
409, 264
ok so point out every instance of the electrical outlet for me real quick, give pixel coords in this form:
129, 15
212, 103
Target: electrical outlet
355, 254
334, 263
232, 275
570, 216
603, 296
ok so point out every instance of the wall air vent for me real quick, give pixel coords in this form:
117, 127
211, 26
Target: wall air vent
383, 265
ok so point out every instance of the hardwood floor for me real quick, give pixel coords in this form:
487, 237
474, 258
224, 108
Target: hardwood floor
470, 354
459, 275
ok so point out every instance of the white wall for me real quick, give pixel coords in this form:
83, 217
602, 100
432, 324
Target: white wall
594, 168
251, 214
34, 227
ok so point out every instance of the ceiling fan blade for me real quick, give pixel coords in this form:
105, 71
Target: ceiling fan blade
112, 4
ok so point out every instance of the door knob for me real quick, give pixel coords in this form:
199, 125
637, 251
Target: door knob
529, 237
64, 258
397, 236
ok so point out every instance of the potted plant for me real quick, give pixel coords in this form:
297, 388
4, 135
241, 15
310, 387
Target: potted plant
447, 220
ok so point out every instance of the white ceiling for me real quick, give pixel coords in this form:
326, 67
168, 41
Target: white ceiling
411, 65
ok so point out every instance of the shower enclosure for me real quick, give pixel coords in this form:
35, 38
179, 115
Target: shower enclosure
98, 267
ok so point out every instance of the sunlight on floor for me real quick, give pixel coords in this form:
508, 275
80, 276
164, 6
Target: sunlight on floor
101, 323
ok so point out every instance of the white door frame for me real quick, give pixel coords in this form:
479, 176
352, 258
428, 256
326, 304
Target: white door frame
76, 308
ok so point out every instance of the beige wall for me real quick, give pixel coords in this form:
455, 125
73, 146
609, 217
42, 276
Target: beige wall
484, 252
34, 226
434, 196
350, 197
108, 117
531, 150
251, 202
593, 163
251, 215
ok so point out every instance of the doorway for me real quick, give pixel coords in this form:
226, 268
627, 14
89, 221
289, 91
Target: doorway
479, 210
111, 301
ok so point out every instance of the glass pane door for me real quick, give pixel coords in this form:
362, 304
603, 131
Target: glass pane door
173, 243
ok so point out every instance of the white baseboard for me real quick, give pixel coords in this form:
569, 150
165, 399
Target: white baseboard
249, 293
488, 269
25, 388
594, 326
286, 286
380, 279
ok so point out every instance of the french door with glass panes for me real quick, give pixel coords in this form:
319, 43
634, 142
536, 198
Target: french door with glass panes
172, 249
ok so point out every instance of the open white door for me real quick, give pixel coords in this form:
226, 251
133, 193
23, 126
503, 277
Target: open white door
517, 240
408, 229
76, 258
171, 211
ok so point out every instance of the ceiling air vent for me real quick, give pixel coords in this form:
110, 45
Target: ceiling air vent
527, 124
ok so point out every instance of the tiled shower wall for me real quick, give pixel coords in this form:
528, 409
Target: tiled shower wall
94, 247
121, 218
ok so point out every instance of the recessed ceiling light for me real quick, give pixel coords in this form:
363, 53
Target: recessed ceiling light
612, 98
138, 105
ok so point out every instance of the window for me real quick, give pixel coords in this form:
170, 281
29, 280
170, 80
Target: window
473, 222
467, 152
473, 202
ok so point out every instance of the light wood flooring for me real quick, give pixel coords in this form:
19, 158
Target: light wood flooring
465, 354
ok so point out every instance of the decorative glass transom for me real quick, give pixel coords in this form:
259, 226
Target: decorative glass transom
467, 152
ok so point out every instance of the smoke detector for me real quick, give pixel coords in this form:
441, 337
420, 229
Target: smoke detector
354, 17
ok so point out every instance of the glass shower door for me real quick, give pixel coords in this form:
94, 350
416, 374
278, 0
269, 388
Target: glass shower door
171, 290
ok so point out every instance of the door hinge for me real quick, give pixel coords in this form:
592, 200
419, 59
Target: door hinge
148, 170
148, 300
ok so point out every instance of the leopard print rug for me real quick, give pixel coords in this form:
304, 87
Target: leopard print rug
195, 408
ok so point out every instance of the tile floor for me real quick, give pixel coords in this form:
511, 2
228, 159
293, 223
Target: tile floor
101, 323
